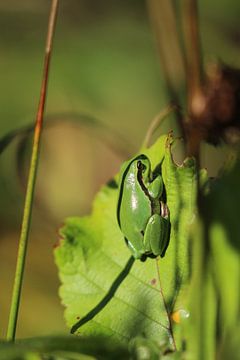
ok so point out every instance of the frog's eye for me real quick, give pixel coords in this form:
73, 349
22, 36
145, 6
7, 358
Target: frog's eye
141, 166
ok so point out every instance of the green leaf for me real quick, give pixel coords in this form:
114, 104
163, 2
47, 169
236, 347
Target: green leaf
180, 183
200, 330
103, 289
63, 347
221, 209
214, 294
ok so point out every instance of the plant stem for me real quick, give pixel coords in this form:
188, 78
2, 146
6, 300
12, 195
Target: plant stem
195, 75
163, 19
23, 240
193, 52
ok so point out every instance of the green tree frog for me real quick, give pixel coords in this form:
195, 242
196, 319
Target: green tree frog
142, 215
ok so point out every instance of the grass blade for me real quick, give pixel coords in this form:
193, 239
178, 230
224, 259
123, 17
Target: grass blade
12, 324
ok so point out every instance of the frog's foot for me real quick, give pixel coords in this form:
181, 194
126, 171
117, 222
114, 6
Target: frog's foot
137, 254
164, 210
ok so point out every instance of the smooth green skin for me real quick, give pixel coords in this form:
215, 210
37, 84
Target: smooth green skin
139, 209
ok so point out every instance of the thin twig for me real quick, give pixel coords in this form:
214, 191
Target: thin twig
13, 316
156, 122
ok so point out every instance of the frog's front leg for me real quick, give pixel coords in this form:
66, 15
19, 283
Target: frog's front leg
155, 188
156, 236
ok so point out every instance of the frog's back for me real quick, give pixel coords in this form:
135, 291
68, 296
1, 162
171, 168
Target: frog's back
134, 206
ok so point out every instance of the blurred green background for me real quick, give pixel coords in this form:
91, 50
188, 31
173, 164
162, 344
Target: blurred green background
105, 67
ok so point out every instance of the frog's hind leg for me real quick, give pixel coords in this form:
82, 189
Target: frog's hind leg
146, 240
156, 235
